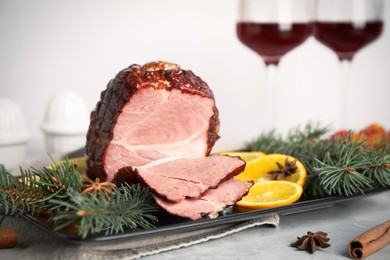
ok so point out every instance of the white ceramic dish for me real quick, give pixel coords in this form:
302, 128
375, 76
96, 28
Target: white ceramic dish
64, 143
13, 134
66, 123
13, 155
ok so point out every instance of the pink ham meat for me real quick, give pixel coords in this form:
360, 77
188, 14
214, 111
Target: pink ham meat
212, 202
177, 179
147, 113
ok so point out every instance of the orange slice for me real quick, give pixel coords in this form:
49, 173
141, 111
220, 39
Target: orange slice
269, 163
246, 156
79, 162
252, 164
269, 194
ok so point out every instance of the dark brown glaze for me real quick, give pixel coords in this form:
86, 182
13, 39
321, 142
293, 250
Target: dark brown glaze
157, 75
125, 175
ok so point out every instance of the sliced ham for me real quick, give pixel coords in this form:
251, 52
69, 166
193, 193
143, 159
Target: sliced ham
150, 112
177, 179
212, 202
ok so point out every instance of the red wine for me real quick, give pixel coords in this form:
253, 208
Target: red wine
271, 43
344, 39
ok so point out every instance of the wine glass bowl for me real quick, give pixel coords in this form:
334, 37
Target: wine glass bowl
347, 26
272, 28
268, 41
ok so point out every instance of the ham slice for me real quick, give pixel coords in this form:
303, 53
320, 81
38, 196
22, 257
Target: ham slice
212, 202
177, 179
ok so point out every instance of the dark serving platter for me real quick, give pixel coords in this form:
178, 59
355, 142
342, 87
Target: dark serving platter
169, 225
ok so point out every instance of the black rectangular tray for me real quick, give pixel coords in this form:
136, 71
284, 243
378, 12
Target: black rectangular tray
170, 225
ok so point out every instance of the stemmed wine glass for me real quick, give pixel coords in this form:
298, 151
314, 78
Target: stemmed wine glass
346, 26
272, 28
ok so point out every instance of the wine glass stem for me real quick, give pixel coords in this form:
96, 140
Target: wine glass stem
345, 72
271, 71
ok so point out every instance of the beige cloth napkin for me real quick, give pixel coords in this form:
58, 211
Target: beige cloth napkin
34, 243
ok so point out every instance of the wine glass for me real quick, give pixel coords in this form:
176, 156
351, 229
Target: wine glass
271, 28
346, 26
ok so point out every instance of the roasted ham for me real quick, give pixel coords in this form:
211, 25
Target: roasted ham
157, 124
150, 112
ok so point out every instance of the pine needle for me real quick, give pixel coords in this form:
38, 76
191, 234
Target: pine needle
130, 207
378, 169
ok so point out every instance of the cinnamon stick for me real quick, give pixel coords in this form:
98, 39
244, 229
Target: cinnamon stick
8, 238
370, 241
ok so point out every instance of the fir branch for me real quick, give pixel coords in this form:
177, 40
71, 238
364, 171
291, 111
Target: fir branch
303, 143
310, 131
57, 182
340, 175
19, 194
340, 166
36, 187
57, 189
7, 180
313, 187
268, 143
130, 207
378, 169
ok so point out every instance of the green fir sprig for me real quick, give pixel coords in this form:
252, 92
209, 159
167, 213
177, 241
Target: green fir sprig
340, 175
35, 187
57, 191
128, 207
341, 166
378, 169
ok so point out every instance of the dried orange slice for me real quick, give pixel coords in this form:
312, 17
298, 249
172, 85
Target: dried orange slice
252, 164
270, 163
269, 194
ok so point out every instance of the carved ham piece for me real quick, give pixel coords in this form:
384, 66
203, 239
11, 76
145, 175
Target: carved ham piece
177, 179
212, 202
147, 113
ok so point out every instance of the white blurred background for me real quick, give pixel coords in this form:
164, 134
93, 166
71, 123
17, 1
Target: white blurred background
49, 46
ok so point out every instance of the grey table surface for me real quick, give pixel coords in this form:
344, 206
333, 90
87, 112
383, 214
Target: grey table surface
343, 222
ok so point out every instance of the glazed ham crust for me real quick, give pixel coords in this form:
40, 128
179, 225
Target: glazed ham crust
147, 113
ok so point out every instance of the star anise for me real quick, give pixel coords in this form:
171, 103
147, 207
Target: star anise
311, 241
289, 168
96, 186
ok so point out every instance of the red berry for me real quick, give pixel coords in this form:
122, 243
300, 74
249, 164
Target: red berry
340, 135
